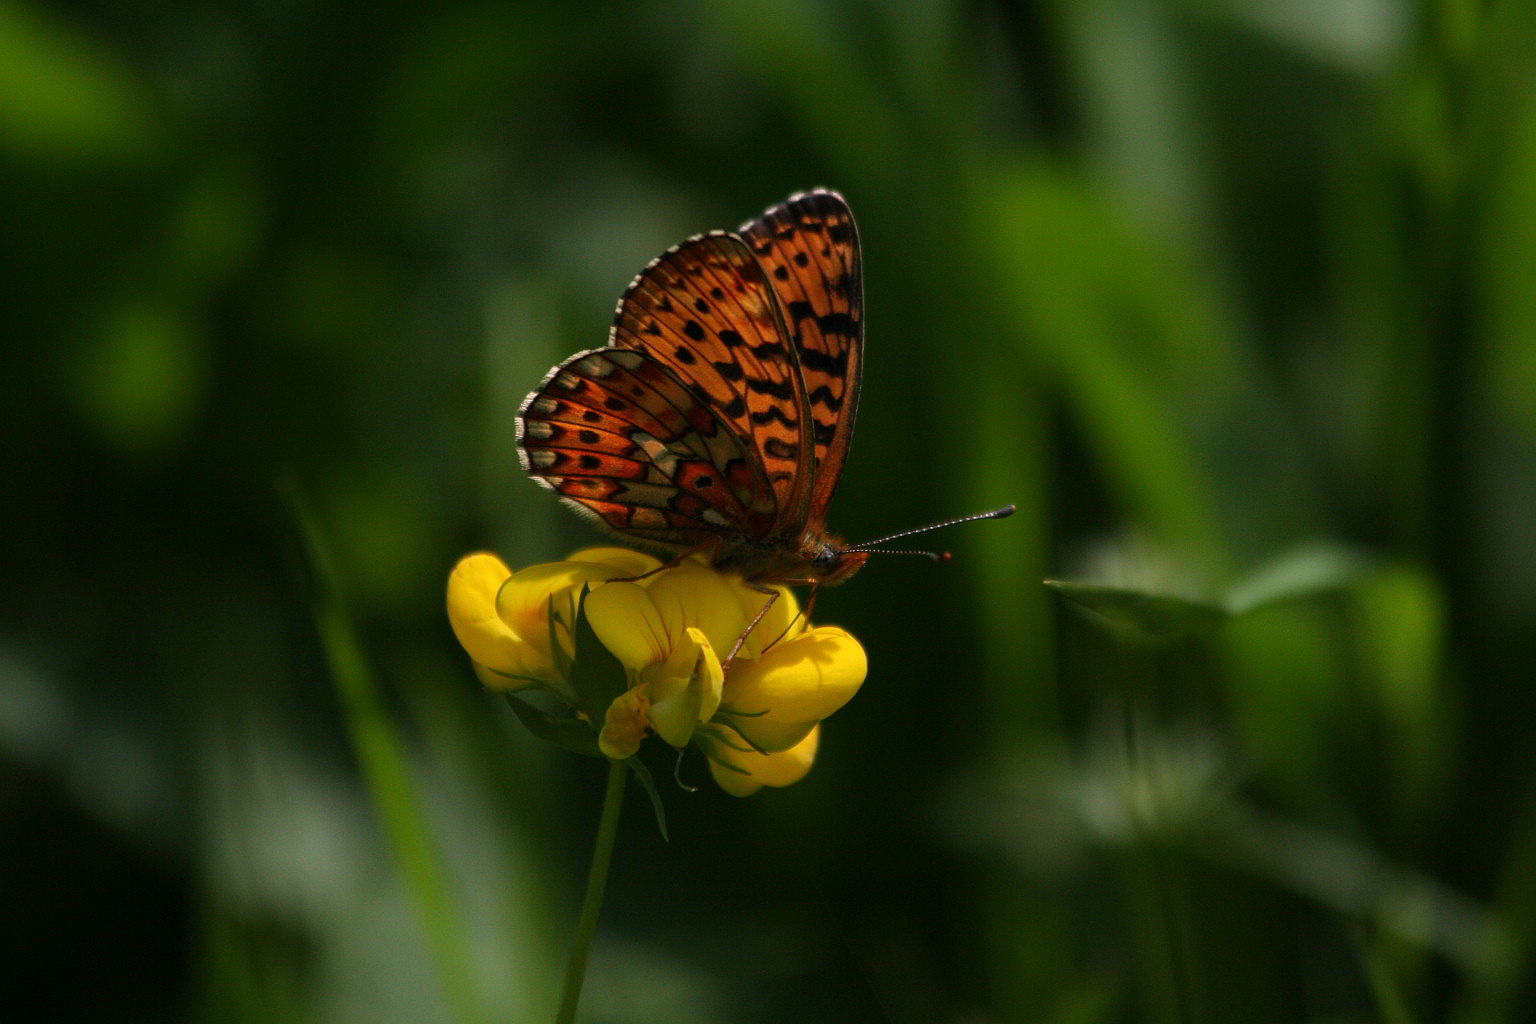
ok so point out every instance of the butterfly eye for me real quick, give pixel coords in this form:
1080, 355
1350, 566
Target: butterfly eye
826, 560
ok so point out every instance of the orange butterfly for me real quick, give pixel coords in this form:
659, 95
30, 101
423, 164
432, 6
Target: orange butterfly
719, 415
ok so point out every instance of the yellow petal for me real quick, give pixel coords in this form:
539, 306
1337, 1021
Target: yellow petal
626, 564
626, 622
523, 602
685, 689
489, 641
775, 700
693, 597
781, 769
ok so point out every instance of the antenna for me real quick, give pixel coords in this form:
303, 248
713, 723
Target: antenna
937, 556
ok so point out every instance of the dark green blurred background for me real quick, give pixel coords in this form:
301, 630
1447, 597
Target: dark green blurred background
1233, 298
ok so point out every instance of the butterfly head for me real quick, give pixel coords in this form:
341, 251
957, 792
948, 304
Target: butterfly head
830, 563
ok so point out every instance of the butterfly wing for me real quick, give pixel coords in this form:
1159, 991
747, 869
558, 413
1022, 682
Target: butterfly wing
808, 247
622, 440
720, 414
706, 311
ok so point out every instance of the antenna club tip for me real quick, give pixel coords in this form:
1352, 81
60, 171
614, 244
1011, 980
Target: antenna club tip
1007, 510
945, 556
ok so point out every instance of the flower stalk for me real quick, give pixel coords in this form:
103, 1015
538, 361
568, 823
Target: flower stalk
619, 648
592, 901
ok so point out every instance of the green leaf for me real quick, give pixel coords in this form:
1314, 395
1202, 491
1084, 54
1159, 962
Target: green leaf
1156, 617
565, 731
648, 783
1299, 573
596, 676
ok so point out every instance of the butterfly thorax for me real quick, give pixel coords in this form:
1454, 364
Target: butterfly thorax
815, 558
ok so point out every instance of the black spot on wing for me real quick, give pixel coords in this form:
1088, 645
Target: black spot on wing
838, 323
770, 414
820, 362
783, 390
823, 396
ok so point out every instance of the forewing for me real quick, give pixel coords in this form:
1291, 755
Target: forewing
706, 310
622, 439
808, 246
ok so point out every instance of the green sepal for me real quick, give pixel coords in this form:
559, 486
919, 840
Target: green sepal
556, 648
719, 737
718, 734
1149, 616
648, 783
565, 731
597, 677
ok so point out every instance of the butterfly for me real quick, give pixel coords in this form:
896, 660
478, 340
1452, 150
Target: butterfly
718, 417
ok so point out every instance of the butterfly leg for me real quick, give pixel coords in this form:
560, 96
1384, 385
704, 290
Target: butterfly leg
671, 563
773, 595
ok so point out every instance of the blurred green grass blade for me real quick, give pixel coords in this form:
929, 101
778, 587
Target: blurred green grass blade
1302, 572
1398, 616
1506, 300
1106, 318
1391, 1001
1503, 974
66, 98
1150, 616
1008, 460
382, 758
1161, 927
245, 976
790, 62
1354, 879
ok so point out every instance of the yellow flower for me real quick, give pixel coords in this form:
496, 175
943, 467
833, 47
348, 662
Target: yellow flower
502, 618
673, 631
756, 716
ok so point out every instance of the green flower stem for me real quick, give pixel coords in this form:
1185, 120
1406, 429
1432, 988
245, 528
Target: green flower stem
592, 902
